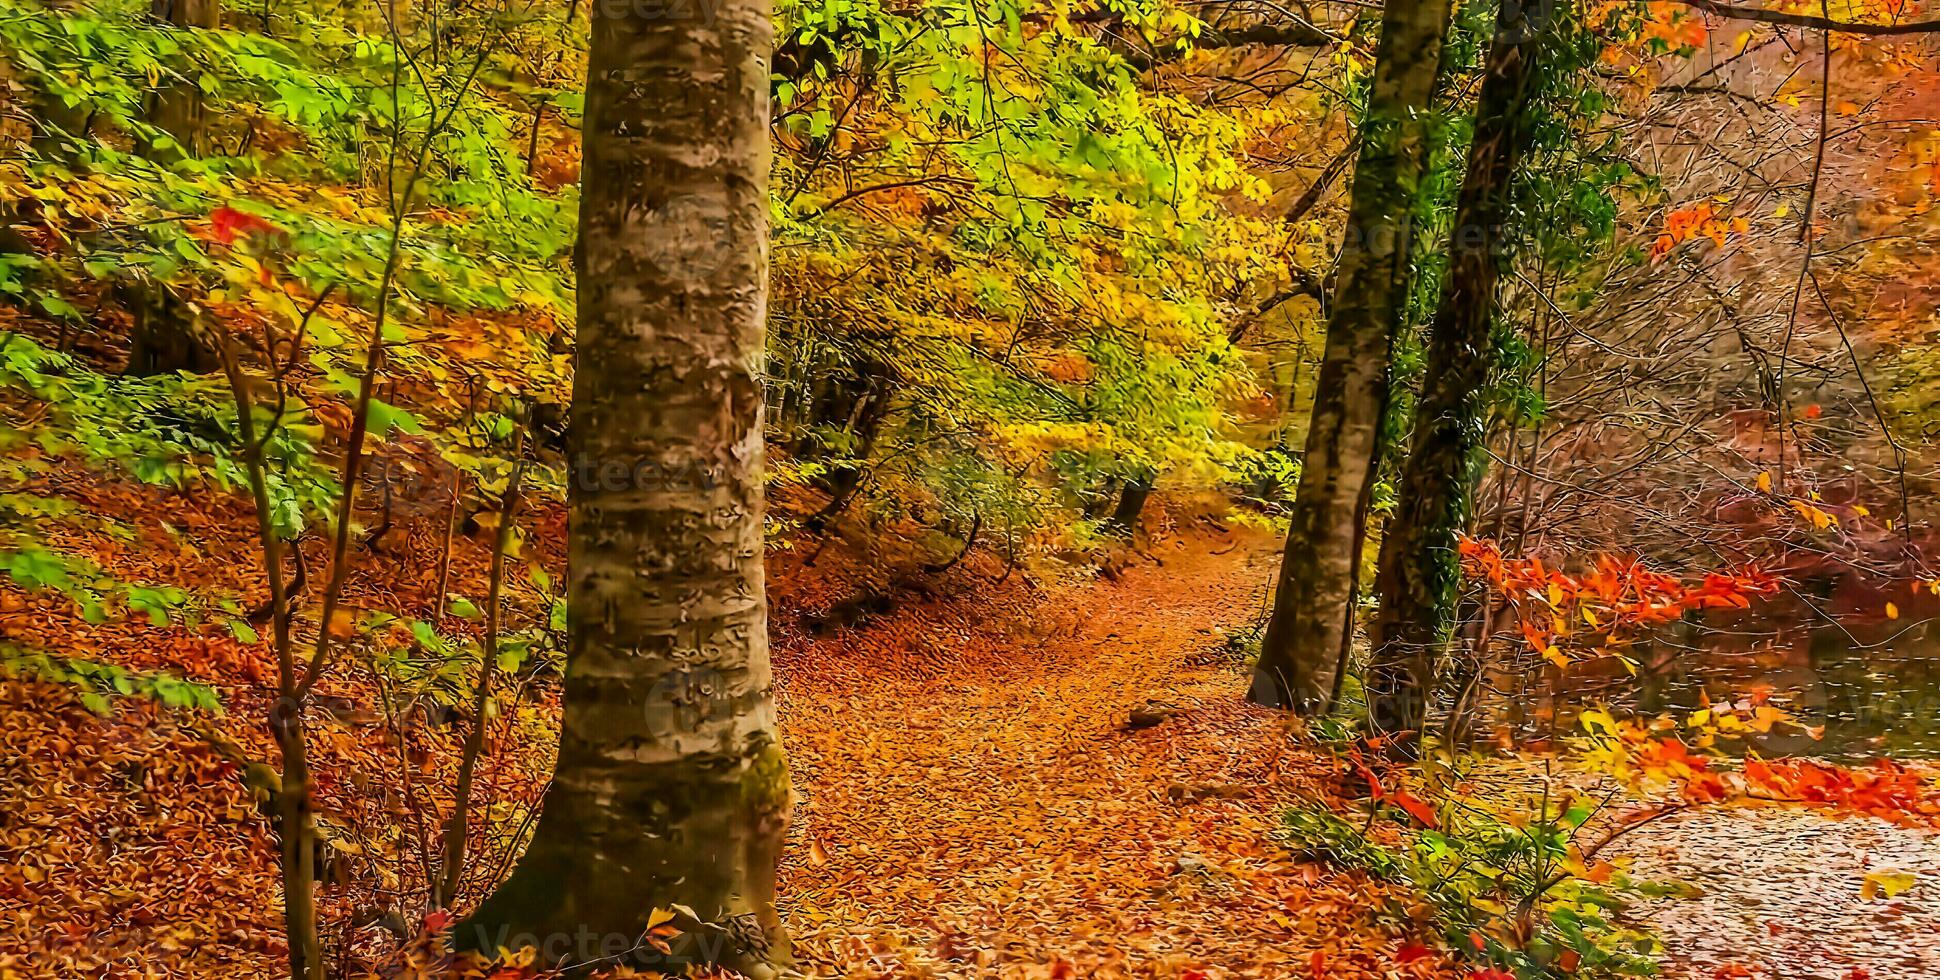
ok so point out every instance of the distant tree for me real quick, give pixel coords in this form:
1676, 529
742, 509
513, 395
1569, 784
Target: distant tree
1312, 610
671, 790
165, 337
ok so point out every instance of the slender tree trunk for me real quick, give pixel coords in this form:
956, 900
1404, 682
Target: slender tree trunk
1312, 615
458, 828
1418, 569
671, 787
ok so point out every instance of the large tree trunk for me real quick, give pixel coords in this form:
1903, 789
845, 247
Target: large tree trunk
165, 337
1418, 568
671, 787
1312, 615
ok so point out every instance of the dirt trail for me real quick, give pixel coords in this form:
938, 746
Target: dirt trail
975, 807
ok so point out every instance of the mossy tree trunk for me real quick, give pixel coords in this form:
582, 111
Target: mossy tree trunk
671, 788
1418, 569
1312, 611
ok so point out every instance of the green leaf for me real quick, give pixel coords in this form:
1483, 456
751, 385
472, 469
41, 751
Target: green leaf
384, 417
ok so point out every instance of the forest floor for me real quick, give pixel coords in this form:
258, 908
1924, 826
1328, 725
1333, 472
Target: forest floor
975, 802
1781, 895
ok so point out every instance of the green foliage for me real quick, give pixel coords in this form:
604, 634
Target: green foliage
173, 431
418, 661
1507, 887
1026, 249
96, 684
1268, 475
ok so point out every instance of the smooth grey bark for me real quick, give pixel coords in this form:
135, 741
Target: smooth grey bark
671, 790
1418, 568
1313, 617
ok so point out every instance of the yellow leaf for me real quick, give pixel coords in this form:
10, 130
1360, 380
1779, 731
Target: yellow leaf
1892, 611
1818, 518
1765, 482
1887, 881
1555, 656
1598, 720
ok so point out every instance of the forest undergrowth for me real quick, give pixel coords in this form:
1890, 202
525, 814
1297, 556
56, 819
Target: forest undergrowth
999, 774
976, 797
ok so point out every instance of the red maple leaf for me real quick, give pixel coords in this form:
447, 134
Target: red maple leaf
226, 224
1416, 807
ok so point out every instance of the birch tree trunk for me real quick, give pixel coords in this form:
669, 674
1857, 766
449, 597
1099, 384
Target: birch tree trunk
1313, 617
1418, 567
671, 790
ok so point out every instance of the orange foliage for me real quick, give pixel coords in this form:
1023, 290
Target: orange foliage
1885, 789
1616, 598
1641, 756
1700, 220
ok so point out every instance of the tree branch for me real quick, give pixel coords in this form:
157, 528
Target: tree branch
1811, 21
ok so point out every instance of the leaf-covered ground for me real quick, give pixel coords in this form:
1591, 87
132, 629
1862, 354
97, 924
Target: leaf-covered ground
973, 805
1783, 894
977, 807
975, 800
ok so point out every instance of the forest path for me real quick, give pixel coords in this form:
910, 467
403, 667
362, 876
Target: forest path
974, 805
